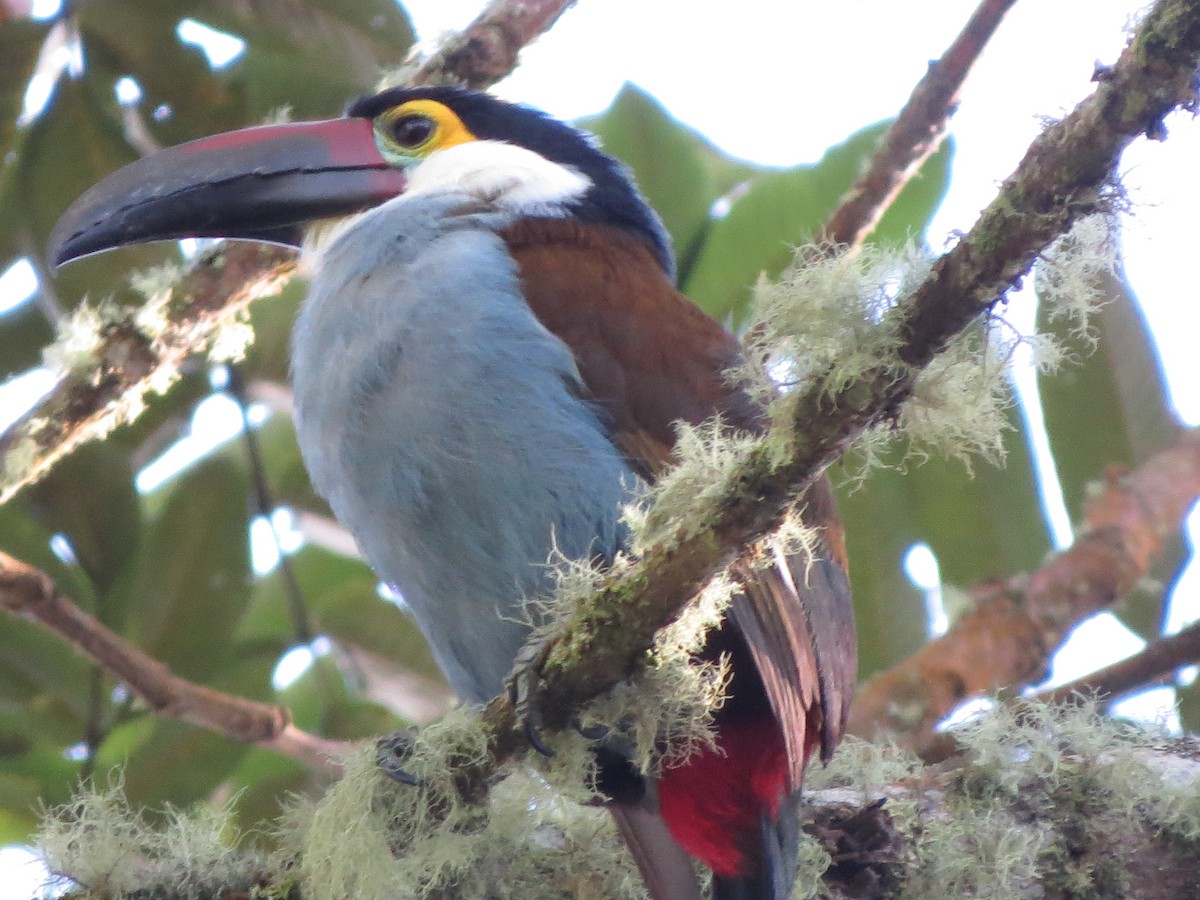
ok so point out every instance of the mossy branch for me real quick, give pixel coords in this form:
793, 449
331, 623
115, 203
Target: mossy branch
487, 49
135, 357
1041, 801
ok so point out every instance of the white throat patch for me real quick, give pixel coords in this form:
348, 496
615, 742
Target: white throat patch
502, 175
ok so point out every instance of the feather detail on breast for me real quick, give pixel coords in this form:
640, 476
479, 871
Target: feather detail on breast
648, 355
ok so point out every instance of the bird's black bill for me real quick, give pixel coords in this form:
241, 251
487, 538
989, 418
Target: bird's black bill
260, 183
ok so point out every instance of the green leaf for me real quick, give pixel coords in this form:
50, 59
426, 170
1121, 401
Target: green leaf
89, 497
193, 576
1110, 407
23, 334
357, 720
354, 613
20, 799
317, 571
680, 172
290, 485
76, 142
1187, 700
20, 43
781, 209
190, 100
180, 764
45, 768
16, 828
269, 357
312, 696
354, 39
262, 784
22, 536
41, 672
981, 527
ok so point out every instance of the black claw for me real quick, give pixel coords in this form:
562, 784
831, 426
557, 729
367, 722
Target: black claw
397, 774
533, 735
594, 733
390, 751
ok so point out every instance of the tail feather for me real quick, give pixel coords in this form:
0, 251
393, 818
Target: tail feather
667, 871
774, 878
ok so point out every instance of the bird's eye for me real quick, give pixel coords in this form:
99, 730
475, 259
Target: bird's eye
412, 131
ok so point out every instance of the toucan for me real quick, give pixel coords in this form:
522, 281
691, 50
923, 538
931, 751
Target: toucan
490, 364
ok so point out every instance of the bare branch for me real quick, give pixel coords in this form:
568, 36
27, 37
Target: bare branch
917, 132
30, 593
1157, 663
1007, 640
487, 49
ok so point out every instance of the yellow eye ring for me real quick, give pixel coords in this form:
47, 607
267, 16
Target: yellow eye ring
418, 127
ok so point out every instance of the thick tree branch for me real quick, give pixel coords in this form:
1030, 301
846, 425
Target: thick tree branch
27, 592
1041, 802
1060, 180
1008, 639
104, 392
1011, 828
916, 134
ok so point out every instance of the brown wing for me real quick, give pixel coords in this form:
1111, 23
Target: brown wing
650, 358
798, 623
647, 354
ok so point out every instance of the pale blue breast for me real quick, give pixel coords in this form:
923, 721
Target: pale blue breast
444, 425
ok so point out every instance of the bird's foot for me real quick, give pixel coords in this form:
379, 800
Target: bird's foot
392, 750
525, 692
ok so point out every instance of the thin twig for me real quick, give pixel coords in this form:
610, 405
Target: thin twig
916, 134
1157, 663
264, 507
28, 592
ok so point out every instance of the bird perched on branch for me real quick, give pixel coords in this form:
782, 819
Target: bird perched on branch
490, 363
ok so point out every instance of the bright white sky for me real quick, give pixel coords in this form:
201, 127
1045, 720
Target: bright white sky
778, 81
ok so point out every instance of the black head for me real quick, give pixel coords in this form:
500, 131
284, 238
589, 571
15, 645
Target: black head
613, 198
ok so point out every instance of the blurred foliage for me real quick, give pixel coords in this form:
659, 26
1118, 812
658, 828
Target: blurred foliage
171, 570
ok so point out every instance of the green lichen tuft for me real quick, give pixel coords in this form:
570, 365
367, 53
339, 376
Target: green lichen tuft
535, 836
1071, 275
682, 502
81, 335
157, 286
826, 318
1048, 802
99, 843
812, 862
